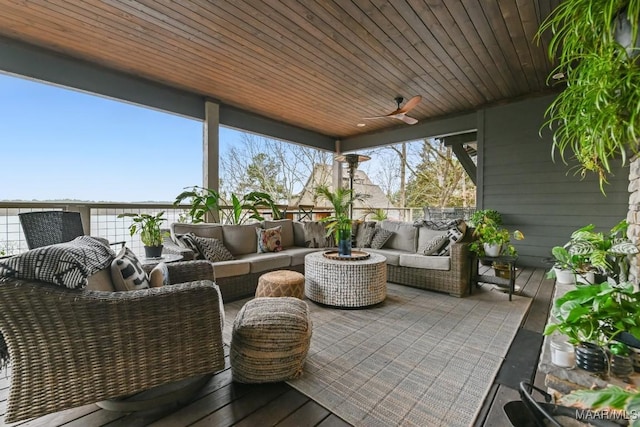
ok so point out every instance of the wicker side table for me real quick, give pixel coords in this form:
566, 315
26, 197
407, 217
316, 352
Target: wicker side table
345, 283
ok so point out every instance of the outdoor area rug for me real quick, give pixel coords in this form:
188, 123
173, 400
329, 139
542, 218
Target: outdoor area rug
419, 358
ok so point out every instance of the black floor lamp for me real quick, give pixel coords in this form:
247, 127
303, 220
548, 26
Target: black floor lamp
353, 160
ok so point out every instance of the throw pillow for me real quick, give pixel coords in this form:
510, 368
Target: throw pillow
159, 276
434, 245
269, 239
66, 264
315, 235
365, 233
188, 241
380, 238
212, 249
127, 272
455, 232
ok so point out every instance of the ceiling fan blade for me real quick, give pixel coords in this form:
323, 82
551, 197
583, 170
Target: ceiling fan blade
409, 105
373, 118
408, 120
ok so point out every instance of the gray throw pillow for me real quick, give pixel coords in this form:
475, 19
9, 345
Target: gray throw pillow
187, 241
365, 233
433, 246
212, 249
380, 238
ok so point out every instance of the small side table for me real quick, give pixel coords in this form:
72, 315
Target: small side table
500, 281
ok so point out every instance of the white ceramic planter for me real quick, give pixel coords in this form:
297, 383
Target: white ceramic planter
565, 276
588, 278
562, 354
492, 250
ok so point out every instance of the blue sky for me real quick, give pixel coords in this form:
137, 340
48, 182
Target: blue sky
58, 143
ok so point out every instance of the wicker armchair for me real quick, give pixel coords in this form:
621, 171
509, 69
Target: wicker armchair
74, 347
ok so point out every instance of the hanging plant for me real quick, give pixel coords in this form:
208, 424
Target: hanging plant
596, 118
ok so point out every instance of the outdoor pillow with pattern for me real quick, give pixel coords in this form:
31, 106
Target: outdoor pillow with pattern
127, 272
66, 264
212, 249
269, 239
434, 245
187, 241
380, 238
455, 232
365, 233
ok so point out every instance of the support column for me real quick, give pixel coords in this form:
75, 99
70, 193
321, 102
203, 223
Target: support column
211, 151
337, 168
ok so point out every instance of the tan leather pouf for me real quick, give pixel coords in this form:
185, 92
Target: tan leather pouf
281, 283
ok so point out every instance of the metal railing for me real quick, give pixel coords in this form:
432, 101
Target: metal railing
101, 219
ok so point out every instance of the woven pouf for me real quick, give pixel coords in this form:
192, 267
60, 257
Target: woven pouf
270, 340
281, 283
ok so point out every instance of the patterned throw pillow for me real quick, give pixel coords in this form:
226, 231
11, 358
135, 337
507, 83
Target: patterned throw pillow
380, 238
455, 232
269, 239
188, 241
127, 273
212, 249
159, 276
434, 245
66, 264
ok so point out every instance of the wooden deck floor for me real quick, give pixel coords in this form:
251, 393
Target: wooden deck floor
225, 403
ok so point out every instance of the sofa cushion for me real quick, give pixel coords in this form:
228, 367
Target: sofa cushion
269, 239
425, 262
286, 231
66, 264
380, 237
297, 254
298, 234
240, 239
201, 229
315, 235
127, 272
404, 235
233, 268
101, 281
392, 255
268, 261
159, 276
212, 249
364, 234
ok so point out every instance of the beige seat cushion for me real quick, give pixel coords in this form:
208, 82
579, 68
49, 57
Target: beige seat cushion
297, 254
425, 261
101, 281
267, 261
236, 267
392, 255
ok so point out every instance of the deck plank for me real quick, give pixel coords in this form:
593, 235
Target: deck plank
276, 410
333, 421
308, 415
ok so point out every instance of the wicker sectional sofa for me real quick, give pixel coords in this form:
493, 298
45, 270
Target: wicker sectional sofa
238, 278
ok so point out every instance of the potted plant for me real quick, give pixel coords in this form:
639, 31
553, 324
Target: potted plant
493, 240
567, 267
150, 233
592, 317
243, 208
591, 251
595, 117
480, 216
339, 224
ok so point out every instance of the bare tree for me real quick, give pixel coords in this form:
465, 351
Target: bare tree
273, 166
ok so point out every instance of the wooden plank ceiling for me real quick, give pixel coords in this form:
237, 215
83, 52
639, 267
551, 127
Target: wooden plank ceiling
320, 65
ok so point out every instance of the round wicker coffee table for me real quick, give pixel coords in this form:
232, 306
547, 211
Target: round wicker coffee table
343, 283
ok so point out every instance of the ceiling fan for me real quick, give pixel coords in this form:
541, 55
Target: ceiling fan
400, 113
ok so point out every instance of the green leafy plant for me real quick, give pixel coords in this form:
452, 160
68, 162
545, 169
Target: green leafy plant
606, 253
597, 116
341, 200
607, 400
240, 208
378, 214
480, 216
488, 233
596, 314
148, 226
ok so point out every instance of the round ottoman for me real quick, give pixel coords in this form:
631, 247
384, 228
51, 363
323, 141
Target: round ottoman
281, 283
270, 340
